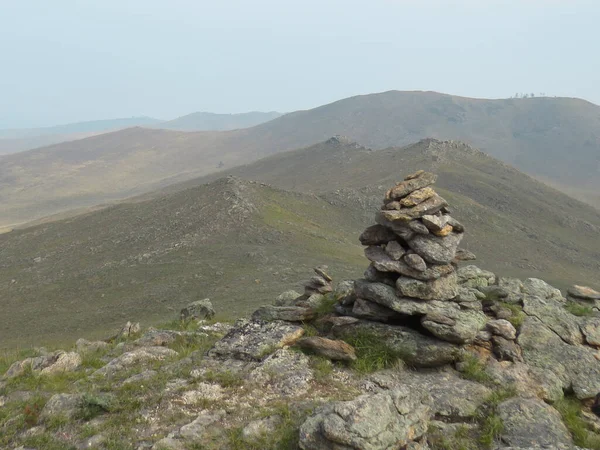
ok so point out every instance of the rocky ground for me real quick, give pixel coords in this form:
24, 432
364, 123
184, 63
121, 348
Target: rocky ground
425, 352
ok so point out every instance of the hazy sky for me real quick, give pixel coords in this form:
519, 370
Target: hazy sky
73, 60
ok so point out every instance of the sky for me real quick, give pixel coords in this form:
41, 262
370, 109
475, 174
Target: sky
66, 61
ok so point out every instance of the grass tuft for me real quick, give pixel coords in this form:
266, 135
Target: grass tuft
474, 370
371, 353
570, 410
577, 309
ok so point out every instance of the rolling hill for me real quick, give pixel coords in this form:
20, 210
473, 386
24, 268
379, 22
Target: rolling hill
552, 138
205, 121
16, 140
241, 243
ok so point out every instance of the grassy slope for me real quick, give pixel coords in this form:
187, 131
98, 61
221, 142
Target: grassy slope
204, 121
554, 138
239, 244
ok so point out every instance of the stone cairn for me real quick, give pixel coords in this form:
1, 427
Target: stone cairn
413, 250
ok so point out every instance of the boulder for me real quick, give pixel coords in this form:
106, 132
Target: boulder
288, 313
529, 422
328, 348
506, 350
435, 249
85, 346
285, 373
443, 288
287, 298
453, 324
414, 348
503, 328
65, 362
583, 292
62, 405
344, 292
379, 421
56, 362
195, 430
539, 288
575, 365
252, 340
198, 310
514, 288
463, 254
551, 312
369, 310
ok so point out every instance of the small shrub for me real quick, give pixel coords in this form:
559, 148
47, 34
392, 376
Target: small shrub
56, 422
490, 423
463, 439
474, 370
577, 309
322, 368
371, 353
327, 306
309, 330
491, 429
92, 406
570, 410
518, 316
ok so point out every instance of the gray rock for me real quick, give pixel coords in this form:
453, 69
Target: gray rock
411, 183
379, 421
400, 229
52, 363
287, 298
62, 405
417, 226
394, 250
196, 429
575, 365
85, 346
135, 357
368, 310
169, 444
128, 330
583, 292
443, 288
456, 225
285, 373
375, 276
539, 288
506, 350
473, 276
344, 292
590, 327
514, 287
141, 377
95, 441
383, 263
430, 206
328, 348
503, 328
414, 348
464, 254
157, 338
288, 313
452, 324
414, 261
198, 310
553, 314
376, 235
529, 422
453, 397
322, 272
435, 249
493, 293
435, 223
416, 197
252, 340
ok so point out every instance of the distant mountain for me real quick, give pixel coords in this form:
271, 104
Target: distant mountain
556, 139
16, 140
241, 243
205, 121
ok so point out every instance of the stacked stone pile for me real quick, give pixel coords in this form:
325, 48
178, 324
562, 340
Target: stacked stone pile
413, 250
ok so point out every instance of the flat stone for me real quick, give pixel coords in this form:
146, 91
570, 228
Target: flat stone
287, 313
444, 232
416, 197
63, 405
456, 225
378, 421
344, 292
464, 255
443, 288
456, 325
252, 340
415, 262
417, 227
331, 349
474, 277
406, 187
322, 272
376, 276
287, 298
376, 235
552, 314
395, 250
529, 422
435, 249
400, 229
539, 288
583, 292
383, 263
285, 373
428, 207
434, 223
85, 346
196, 429
135, 357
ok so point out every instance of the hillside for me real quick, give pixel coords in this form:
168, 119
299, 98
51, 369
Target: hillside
16, 140
553, 138
523, 227
235, 242
162, 250
205, 121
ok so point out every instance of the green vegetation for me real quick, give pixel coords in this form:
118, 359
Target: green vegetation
577, 309
93, 406
570, 410
322, 368
371, 353
518, 316
225, 378
491, 425
473, 369
326, 306
462, 439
